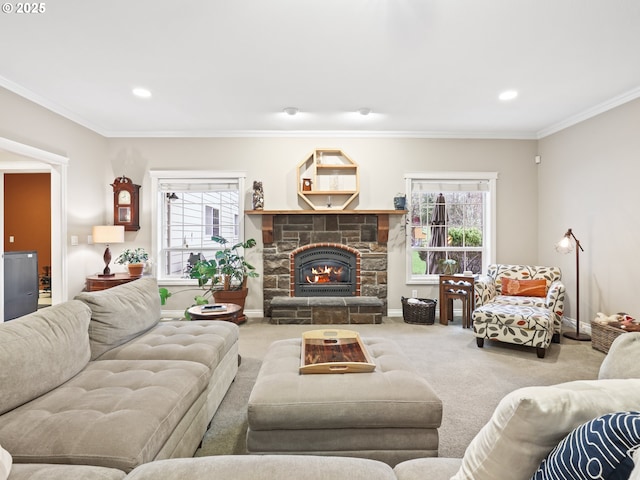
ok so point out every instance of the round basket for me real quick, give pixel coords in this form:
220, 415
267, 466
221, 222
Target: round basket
423, 312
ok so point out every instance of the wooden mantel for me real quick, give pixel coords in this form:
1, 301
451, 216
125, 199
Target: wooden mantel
268, 216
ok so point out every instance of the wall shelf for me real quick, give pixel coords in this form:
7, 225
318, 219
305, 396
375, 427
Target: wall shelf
328, 179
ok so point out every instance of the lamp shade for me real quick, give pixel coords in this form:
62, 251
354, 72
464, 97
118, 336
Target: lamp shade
108, 234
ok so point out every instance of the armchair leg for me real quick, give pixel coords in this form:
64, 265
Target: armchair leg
541, 352
555, 338
480, 342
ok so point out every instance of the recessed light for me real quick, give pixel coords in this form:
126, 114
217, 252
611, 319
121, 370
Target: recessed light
508, 95
290, 110
364, 111
141, 92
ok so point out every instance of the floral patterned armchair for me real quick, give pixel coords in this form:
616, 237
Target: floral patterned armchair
528, 320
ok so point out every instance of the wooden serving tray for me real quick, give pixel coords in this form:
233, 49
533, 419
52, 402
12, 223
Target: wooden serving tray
334, 351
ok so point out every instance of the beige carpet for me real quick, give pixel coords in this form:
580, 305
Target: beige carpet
469, 380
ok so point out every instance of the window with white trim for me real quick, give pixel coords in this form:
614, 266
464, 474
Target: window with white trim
451, 224
190, 209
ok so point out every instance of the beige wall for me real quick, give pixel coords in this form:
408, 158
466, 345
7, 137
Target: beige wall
588, 181
96, 161
383, 163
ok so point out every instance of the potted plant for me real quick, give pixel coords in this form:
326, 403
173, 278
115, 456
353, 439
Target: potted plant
449, 266
134, 260
225, 276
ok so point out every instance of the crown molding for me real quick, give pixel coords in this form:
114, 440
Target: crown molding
590, 113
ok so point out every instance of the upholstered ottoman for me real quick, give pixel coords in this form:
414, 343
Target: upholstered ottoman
390, 414
519, 324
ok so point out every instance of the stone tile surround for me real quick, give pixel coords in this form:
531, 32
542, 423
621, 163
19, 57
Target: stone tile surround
291, 232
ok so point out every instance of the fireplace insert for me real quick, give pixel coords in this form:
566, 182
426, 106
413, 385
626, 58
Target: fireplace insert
325, 271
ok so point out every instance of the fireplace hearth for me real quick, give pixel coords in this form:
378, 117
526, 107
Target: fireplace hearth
325, 271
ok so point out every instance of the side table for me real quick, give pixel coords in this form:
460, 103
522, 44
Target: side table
229, 313
456, 287
93, 283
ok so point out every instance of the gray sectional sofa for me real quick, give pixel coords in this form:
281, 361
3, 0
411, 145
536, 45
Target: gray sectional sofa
100, 381
50, 364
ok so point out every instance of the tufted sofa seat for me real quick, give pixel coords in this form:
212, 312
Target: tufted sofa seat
100, 381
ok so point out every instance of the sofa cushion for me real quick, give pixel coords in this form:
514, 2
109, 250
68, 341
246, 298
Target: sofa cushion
264, 467
529, 422
600, 448
114, 413
47, 471
623, 358
41, 351
433, 468
5, 464
205, 342
121, 313
524, 288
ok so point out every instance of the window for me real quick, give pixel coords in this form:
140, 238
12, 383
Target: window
451, 225
190, 209
212, 221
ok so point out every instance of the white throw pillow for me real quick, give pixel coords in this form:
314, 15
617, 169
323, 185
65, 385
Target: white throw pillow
635, 473
5, 463
529, 422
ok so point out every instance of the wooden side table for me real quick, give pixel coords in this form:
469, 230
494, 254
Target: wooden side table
230, 313
96, 282
456, 287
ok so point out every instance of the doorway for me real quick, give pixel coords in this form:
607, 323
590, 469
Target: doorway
21, 158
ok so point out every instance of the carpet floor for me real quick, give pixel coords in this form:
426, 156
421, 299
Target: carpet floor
469, 380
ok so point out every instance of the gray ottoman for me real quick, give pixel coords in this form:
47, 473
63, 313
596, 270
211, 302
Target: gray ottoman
390, 414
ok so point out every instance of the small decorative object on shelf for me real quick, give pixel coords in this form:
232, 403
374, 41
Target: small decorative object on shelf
306, 184
400, 201
258, 196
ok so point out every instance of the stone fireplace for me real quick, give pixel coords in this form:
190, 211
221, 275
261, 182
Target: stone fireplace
325, 270
362, 237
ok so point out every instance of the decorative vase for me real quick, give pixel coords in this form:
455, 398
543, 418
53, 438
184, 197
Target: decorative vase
400, 203
135, 269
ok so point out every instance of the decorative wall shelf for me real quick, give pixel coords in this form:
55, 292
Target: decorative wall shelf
328, 179
269, 215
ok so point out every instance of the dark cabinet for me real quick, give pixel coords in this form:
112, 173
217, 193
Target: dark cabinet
20, 284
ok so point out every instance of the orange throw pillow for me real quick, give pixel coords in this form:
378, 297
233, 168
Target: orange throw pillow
524, 288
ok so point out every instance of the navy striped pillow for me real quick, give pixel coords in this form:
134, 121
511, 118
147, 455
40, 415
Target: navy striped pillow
599, 449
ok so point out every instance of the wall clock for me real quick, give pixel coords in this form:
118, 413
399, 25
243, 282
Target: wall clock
126, 203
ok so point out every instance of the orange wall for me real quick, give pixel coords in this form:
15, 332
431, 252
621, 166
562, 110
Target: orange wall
27, 214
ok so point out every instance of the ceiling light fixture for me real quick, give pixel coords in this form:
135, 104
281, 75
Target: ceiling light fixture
141, 92
290, 110
508, 95
364, 111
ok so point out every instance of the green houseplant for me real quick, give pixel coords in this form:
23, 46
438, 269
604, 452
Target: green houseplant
223, 277
134, 259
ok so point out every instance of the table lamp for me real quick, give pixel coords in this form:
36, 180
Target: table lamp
565, 246
108, 234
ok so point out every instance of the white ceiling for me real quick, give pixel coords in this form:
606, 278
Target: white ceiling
429, 68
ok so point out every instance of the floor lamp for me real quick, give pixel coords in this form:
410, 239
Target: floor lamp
107, 234
565, 246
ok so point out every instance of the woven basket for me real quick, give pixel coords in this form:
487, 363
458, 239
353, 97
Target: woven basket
423, 313
603, 335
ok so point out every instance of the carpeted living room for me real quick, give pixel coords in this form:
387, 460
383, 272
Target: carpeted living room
445, 188
469, 381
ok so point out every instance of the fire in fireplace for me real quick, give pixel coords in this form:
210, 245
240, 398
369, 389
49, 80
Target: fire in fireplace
321, 271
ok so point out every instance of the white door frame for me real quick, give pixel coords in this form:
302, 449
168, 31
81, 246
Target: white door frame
31, 159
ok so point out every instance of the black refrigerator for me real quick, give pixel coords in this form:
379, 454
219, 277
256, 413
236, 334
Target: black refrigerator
20, 284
